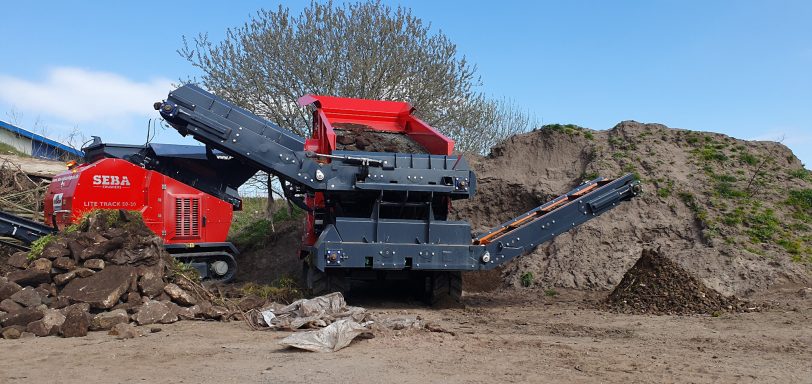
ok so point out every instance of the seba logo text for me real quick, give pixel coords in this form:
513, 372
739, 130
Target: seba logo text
111, 181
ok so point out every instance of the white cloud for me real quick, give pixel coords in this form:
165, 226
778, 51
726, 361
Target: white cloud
77, 95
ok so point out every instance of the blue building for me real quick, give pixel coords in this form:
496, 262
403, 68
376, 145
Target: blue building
35, 145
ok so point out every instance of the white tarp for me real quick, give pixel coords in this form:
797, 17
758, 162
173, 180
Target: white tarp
317, 312
328, 339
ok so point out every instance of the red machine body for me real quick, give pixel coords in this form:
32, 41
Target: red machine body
176, 212
374, 115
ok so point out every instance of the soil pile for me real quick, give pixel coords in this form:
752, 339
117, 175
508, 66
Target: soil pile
359, 137
656, 285
278, 258
734, 213
108, 272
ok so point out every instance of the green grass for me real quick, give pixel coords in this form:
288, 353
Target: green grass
800, 173
527, 279
570, 129
589, 175
792, 246
283, 290
251, 227
6, 149
186, 270
550, 292
710, 153
39, 245
748, 158
801, 199
763, 226
734, 218
664, 192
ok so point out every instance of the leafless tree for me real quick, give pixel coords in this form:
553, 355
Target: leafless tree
364, 50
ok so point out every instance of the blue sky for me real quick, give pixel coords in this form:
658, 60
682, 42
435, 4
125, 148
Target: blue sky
743, 68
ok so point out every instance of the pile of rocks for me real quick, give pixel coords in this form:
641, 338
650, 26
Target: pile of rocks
109, 272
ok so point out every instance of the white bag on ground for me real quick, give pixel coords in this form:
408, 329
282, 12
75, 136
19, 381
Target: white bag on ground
328, 339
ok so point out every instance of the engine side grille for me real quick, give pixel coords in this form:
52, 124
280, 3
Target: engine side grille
187, 217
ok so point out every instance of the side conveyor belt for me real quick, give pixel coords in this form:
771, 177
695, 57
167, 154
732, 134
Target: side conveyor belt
539, 225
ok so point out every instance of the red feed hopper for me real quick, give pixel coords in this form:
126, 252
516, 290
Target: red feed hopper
393, 117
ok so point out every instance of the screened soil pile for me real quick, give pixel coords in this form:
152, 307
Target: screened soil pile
109, 272
359, 137
657, 285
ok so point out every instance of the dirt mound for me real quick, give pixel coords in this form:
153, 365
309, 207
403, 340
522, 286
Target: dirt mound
103, 273
732, 212
278, 259
656, 285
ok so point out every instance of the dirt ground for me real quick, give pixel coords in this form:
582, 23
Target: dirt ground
506, 336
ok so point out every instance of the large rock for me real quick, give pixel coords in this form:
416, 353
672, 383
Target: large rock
7, 289
179, 295
76, 323
55, 249
96, 264
31, 277
189, 313
64, 278
22, 317
9, 305
98, 250
125, 331
84, 272
28, 297
153, 312
11, 333
103, 289
214, 312
151, 284
41, 264
19, 260
49, 325
106, 320
59, 302
65, 263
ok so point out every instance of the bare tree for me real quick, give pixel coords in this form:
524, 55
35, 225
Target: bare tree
363, 50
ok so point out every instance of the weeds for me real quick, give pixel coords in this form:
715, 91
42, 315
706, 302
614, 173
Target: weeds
283, 290
801, 199
186, 270
39, 245
763, 226
710, 153
800, 173
527, 279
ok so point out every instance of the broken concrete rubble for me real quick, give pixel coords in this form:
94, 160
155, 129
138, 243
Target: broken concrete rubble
101, 290
27, 297
107, 320
153, 312
178, 295
109, 272
76, 323
124, 331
